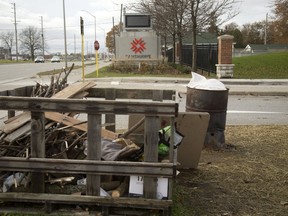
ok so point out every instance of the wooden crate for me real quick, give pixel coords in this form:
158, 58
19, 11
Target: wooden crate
93, 167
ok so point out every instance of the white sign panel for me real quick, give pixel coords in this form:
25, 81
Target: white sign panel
136, 187
138, 46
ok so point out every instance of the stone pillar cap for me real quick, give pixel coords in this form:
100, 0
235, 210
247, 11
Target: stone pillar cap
225, 37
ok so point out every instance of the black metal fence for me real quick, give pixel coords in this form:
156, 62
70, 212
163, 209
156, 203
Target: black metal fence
207, 56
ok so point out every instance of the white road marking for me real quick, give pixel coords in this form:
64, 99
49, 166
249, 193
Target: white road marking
252, 112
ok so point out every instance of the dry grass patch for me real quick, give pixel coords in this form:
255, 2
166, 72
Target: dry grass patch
249, 177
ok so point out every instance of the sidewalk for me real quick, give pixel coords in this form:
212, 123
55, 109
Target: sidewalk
269, 87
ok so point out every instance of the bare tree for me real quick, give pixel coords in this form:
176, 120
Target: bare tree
31, 41
7, 40
253, 33
202, 11
168, 19
177, 17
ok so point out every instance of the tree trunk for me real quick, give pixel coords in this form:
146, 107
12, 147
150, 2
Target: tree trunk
180, 49
194, 46
174, 48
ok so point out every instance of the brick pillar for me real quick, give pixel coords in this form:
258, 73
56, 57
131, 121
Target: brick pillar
225, 68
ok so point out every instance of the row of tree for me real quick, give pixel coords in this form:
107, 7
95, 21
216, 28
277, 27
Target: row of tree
30, 39
272, 30
175, 19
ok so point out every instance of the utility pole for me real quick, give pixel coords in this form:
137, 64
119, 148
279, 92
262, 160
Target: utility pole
42, 37
114, 37
121, 16
16, 37
65, 38
265, 32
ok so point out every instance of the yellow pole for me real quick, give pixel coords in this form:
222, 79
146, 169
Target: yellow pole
97, 63
83, 72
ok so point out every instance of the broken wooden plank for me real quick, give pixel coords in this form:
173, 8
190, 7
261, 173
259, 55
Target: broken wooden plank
73, 89
18, 132
75, 123
18, 121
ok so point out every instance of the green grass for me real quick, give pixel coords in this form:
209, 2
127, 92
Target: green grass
266, 66
107, 71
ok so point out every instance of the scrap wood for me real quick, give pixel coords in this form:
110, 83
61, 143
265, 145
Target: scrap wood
121, 189
133, 128
73, 89
24, 117
60, 180
16, 122
64, 80
69, 188
18, 132
70, 121
75, 142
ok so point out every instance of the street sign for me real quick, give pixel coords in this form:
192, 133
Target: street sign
96, 45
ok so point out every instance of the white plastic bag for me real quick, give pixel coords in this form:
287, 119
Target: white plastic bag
200, 82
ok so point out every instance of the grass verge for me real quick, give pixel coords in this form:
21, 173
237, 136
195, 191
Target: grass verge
265, 66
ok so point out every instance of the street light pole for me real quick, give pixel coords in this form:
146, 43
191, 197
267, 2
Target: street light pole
94, 21
96, 51
15, 23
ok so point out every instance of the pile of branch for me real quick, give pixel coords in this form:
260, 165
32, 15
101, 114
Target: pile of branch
65, 137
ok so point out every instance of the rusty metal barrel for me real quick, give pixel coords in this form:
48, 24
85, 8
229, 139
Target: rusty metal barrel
215, 103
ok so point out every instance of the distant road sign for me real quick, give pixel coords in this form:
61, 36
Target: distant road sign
96, 45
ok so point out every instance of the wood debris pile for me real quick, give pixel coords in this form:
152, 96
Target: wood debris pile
65, 138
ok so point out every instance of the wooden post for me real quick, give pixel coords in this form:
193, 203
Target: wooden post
94, 152
151, 153
37, 149
110, 94
151, 128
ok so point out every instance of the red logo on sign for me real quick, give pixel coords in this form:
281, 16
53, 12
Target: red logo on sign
138, 45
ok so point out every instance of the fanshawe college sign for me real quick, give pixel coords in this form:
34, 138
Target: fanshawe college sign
138, 46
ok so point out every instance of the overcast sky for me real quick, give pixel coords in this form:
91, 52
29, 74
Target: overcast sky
29, 12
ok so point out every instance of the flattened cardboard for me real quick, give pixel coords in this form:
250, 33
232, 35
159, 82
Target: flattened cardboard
193, 125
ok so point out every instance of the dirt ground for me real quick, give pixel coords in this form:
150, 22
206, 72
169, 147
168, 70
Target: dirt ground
249, 177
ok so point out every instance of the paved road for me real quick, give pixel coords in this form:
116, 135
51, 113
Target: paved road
11, 72
254, 110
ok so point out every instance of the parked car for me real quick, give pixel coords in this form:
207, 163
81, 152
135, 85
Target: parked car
55, 59
39, 59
